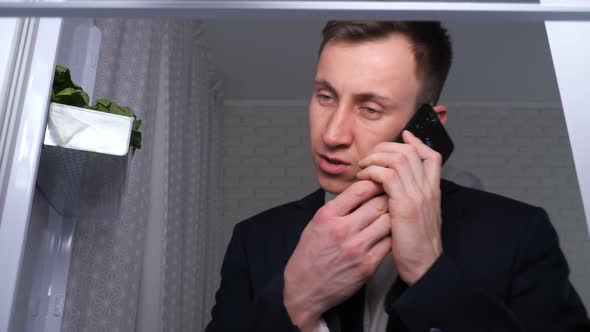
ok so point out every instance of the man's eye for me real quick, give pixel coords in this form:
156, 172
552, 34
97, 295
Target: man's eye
325, 99
371, 112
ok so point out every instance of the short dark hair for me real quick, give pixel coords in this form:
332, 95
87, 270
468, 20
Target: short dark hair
430, 42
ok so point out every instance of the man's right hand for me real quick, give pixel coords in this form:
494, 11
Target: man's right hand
338, 251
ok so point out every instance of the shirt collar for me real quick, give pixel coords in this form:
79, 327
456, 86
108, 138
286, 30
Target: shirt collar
328, 197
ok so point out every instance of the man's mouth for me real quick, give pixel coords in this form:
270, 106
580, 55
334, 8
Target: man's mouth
332, 165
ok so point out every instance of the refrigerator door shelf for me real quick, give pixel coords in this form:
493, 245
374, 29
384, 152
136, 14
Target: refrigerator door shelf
83, 165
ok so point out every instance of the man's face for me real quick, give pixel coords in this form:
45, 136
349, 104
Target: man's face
364, 94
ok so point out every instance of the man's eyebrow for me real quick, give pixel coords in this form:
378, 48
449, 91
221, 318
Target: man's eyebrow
323, 84
370, 96
365, 96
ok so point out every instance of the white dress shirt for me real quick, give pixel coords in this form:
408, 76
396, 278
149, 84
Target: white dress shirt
374, 317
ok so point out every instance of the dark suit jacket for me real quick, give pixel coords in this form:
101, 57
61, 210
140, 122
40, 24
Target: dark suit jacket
501, 270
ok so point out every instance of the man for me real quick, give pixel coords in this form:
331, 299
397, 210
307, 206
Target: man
394, 248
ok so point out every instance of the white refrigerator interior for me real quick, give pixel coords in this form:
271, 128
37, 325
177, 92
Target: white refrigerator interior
22, 125
66, 184
570, 51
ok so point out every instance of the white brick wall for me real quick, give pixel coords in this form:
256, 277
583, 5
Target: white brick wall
518, 151
265, 159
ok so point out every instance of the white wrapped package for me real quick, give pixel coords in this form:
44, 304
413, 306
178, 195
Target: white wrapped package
87, 130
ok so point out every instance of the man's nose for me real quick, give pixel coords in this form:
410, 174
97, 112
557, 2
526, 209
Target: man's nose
338, 131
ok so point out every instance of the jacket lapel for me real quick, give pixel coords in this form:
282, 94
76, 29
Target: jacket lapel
450, 211
308, 206
351, 313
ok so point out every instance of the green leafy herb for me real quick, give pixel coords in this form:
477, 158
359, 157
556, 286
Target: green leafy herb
105, 105
65, 91
71, 96
63, 80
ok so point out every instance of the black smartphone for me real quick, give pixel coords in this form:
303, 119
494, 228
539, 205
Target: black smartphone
426, 126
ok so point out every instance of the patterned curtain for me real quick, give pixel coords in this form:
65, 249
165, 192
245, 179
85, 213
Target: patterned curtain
155, 267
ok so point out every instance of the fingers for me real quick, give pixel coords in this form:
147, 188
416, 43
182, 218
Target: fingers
386, 177
367, 213
407, 166
401, 157
415, 162
378, 252
372, 256
376, 231
432, 160
352, 197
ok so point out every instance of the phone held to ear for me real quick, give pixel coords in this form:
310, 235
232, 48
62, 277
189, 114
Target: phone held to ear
427, 127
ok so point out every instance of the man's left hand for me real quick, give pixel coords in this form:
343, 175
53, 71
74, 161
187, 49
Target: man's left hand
410, 176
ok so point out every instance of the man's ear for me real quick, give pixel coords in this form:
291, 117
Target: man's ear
441, 111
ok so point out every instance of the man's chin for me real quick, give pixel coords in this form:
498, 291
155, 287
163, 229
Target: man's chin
334, 185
